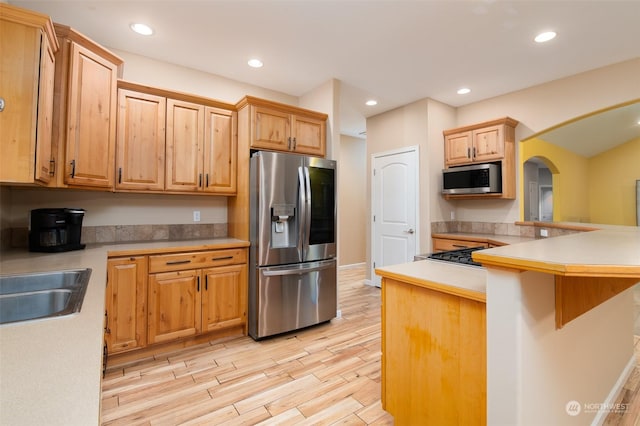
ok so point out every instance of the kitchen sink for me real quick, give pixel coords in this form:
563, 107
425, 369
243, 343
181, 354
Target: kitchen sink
25, 297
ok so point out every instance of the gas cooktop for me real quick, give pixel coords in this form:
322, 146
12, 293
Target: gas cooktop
458, 256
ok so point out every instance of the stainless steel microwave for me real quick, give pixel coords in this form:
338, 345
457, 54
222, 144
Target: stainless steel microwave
474, 179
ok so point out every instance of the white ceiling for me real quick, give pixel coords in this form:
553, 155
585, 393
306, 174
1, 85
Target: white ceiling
394, 51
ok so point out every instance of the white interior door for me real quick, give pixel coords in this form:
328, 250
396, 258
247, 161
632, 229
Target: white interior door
394, 198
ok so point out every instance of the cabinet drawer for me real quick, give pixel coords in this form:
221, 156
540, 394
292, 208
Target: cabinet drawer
441, 244
194, 260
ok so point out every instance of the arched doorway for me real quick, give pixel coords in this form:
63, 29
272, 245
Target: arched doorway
538, 189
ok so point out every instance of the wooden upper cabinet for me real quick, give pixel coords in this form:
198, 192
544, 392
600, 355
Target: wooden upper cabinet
271, 129
220, 151
479, 143
140, 144
308, 135
185, 145
488, 142
279, 127
85, 111
28, 45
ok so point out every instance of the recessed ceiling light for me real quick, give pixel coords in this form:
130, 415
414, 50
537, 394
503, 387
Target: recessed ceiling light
255, 63
142, 29
545, 36
371, 102
464, 91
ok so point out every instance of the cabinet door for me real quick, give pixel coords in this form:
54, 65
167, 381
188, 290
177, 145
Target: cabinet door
308, 135
126, 303
174, 305
488, 143
443, 244
91, 120
224, 302
457, 148
140, 141
44, 169
185, 137
220, 151
270, 129
22, 70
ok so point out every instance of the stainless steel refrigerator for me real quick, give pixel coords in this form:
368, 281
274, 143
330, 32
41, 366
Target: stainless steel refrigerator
292, 259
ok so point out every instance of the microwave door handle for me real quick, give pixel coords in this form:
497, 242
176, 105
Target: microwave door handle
302, 207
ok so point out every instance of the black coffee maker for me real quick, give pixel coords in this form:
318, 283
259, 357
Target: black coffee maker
55, 230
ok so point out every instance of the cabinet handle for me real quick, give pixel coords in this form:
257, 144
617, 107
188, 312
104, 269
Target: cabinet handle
468, 152
73, 168
178, 262
198, 280
206, 282
119, 174
199, 180
1, 104
107, 329
459, 245
289, 143
294, 143
52, 167
207, 179
474, 152
221, 258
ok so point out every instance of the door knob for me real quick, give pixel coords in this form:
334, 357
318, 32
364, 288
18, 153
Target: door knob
410, 231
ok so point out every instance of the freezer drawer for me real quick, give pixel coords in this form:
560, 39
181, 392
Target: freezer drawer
286, 298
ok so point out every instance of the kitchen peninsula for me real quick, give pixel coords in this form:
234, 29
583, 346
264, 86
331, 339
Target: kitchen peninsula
558, 329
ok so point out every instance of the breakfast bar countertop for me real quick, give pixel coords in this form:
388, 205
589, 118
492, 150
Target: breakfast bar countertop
50, 369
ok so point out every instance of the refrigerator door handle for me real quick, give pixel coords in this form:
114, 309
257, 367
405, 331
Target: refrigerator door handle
307, 211
297, 270
302, 238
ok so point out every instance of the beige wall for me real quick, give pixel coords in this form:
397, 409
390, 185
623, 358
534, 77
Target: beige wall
540, 107
353, 204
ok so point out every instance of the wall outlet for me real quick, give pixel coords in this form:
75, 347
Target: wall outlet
544, 233
339, 313
196, 216
453, 215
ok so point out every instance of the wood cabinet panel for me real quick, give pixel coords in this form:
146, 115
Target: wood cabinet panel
458, 148
308, 135
488, 143
433, 360
141, 141
271, 129
28, 47
185, 130
225, 297
220, 151
90, 144
174, 305
442, 244
200, 259
126, 301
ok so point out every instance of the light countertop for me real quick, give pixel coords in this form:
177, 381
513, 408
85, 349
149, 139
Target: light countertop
51, 369
460, 280
611, 252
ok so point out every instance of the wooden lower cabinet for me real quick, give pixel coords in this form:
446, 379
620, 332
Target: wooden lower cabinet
433, 356
224, 299
444, 244
126, 318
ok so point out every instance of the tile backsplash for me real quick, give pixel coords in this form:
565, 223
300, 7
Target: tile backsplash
19, 237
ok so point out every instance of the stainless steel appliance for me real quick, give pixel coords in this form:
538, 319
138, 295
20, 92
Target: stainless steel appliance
292, 259
474, 179
55, 230
462, 256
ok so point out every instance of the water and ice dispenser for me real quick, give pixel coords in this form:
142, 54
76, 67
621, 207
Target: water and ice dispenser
283, 225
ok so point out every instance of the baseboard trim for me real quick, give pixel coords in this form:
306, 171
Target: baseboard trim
602, 414
352, 266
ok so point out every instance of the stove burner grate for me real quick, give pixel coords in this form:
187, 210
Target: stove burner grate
458, 256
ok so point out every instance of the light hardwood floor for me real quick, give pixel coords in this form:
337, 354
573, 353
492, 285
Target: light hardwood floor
328, 374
